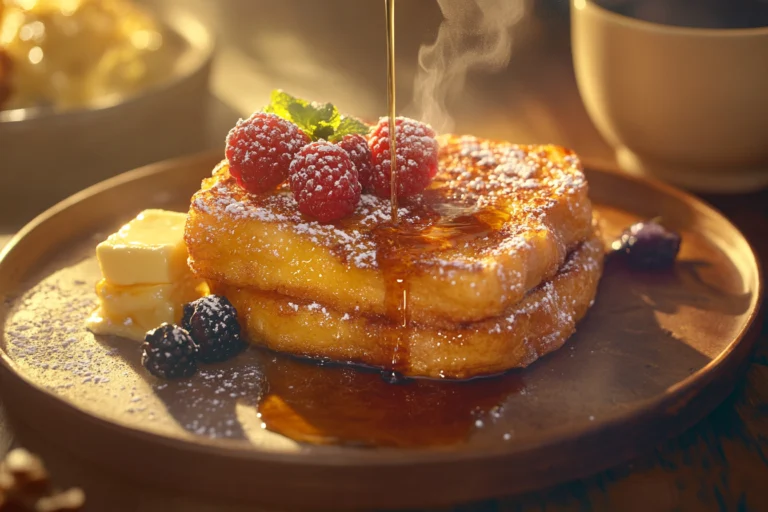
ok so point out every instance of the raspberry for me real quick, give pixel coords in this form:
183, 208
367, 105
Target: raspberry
169, 352
360, 153
325, 182
416, 157
212, 323
260, 150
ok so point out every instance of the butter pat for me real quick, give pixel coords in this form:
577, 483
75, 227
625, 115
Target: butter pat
101, 324
131, 311
149, 249
146, 279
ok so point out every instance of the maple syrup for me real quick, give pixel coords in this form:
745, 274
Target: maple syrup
345, 405
399, 247
392, 99
395, 268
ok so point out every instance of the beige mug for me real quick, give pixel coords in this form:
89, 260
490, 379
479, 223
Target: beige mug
687, 105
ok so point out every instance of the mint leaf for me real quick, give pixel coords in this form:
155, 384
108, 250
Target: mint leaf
280, 104
323, 130
349, 126
318, 120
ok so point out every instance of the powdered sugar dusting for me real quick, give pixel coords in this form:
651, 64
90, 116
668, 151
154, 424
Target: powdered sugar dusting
416, 153
260, 150
46, 338
492, 171
554, 300
225, 198
324, 181
63, 331
524, 183
537, 325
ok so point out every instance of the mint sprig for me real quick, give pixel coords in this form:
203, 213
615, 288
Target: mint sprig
317, 120
349, 126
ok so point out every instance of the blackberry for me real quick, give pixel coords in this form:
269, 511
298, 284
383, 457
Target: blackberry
212, 323
169, 352
649, 245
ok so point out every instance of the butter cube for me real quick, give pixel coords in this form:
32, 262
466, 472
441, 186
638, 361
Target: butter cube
131, 311
149, 249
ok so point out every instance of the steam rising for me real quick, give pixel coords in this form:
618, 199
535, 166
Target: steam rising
475, 35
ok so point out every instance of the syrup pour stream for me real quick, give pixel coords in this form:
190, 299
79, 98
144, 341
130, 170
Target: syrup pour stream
400, 247
394, 268
391, 81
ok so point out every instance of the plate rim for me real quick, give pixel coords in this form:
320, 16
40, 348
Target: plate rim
674, 398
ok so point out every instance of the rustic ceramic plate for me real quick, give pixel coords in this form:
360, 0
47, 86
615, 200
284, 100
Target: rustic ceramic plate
655, 354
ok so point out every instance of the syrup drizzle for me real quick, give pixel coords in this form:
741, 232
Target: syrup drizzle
395, 268
400, 246
391, 93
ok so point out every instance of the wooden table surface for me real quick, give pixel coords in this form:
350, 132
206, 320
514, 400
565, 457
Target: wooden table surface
720, 464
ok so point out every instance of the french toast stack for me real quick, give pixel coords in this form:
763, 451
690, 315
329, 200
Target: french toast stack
488, 269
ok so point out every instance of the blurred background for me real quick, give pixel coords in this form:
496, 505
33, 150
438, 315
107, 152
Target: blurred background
214, 62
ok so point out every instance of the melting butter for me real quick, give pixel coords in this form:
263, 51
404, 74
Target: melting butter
146, 280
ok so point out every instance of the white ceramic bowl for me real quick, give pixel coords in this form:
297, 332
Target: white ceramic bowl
687, 105
46, 156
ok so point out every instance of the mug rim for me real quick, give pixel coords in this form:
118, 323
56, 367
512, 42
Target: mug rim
622, 19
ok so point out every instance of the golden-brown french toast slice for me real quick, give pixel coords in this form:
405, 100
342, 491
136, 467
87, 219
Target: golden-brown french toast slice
538, 325
497, 220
